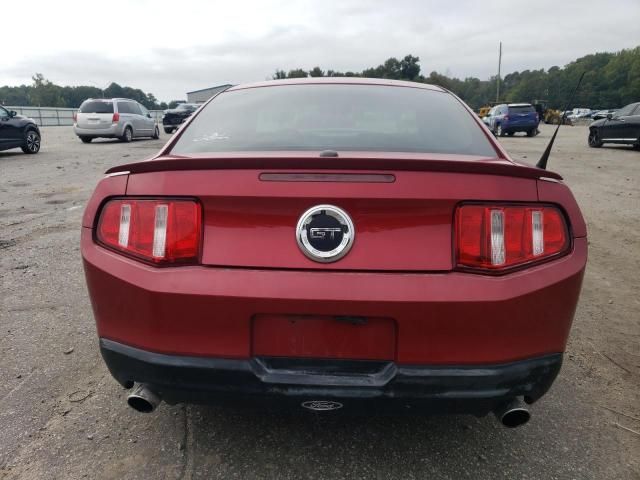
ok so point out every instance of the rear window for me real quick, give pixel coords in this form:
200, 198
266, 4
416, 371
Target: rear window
96, 107
334, 117
522, 109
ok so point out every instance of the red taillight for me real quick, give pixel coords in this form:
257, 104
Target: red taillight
496, 237
116, 117
159, 231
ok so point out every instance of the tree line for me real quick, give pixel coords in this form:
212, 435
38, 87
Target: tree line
612, 80
44, 93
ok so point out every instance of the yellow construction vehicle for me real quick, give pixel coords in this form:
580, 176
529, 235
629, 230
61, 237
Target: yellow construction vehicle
548, 115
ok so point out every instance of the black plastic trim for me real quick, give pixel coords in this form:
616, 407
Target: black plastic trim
476, 389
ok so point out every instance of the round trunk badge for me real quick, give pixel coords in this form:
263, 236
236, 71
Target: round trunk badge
325, 233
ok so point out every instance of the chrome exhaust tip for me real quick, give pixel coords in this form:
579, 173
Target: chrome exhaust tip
142, 399
512, 414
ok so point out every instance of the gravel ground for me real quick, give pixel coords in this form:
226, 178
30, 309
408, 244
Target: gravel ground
63, 416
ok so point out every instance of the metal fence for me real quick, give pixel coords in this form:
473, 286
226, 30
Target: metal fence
53, 116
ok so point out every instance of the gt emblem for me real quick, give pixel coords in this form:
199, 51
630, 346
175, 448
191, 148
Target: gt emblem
325, 233
322, 232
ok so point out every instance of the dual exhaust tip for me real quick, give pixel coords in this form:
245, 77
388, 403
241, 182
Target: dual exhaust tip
143, 399
511, 414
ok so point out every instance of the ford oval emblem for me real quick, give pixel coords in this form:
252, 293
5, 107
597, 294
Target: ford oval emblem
321, 405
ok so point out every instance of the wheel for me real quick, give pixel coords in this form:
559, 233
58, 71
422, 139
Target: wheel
32, 142
531, 133
511, 134
127, 136
168, 130
156, 133
499, 131
86, 139
594, 139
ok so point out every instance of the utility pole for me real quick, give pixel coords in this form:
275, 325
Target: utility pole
498, 81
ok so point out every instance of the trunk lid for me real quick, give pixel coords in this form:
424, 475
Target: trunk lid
402, 218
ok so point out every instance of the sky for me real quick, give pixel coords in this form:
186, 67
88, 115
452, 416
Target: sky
172, 47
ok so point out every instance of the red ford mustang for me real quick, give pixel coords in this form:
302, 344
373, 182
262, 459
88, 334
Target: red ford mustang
335, 243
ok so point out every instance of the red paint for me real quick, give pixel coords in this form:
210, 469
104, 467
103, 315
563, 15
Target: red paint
401, 266
446, 318
404, 225
311, 336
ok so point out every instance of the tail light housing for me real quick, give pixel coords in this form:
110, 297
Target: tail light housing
115, 118
497, 238
159, 231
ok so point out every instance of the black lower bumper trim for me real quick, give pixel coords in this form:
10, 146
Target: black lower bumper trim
357, 384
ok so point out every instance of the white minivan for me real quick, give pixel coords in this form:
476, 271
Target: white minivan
113, 118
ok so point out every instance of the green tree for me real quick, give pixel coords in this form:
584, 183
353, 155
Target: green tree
297, 73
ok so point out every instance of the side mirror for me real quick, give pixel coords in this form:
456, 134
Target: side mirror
13, 113
609, 116
149, 115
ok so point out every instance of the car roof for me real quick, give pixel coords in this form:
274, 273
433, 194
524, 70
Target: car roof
519, 105
338, 80
110, 99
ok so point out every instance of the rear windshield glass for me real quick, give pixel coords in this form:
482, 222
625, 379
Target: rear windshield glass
334, 117
522, 109
96, 107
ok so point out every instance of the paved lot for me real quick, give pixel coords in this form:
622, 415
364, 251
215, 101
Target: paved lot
62, 416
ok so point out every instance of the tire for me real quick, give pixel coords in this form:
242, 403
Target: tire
32, 142
168, 130
156, 133
499, 131
127, 136
86, 139
531, 133
511, 134
594, 139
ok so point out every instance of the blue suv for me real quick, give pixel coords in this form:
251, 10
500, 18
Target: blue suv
507, 119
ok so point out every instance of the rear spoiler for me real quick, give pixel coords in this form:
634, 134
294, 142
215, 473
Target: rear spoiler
480, 165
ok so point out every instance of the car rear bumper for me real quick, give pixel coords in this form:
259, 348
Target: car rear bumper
115, 130
355, 385
446, 318
172, 122
520, 127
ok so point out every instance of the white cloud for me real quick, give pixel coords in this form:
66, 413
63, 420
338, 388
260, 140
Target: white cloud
168, 47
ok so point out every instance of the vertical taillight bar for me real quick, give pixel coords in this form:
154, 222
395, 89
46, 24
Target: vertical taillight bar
497, 237
160, 231
125, 222
537, 232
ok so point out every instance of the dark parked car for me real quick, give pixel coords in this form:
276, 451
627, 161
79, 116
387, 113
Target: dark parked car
507, 119
621, 127
175, 117
335, 243
17, 131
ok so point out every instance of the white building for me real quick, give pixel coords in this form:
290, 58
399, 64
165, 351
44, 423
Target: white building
201, 96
